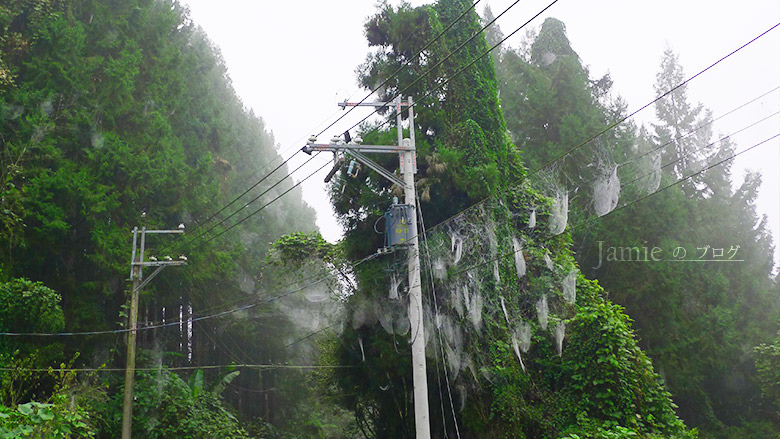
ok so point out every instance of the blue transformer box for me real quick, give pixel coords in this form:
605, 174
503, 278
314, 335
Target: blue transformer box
398, 220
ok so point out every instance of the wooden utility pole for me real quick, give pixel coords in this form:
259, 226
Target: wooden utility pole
136, 276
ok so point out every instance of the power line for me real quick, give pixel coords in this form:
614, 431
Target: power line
216, 339
278, 156
611, 126
706, 124
178, 368
731, 157
246, 191
194, 319
663, 95
687, 153
263, 206
476, 34
311, 334
250, 201
404, 65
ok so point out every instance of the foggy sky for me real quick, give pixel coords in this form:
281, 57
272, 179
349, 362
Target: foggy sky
292, 61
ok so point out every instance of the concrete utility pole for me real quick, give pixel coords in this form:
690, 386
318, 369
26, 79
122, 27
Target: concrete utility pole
136, 276
408, 164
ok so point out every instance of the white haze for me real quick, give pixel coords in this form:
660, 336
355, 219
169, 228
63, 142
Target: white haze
292, 61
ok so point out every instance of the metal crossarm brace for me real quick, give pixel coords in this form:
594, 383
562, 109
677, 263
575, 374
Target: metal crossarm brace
376, 167
357, 151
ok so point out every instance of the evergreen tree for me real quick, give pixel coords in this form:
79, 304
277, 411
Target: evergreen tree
687, 129
600, 385
121, 114
694, 320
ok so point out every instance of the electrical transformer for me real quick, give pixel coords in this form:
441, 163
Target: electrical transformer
399, 230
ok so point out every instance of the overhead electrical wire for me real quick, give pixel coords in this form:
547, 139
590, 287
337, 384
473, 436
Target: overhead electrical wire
703, 125
311, 334
688, 153
278, 156
609, 127
474, 61
685, 154
234, 200
675, 183
177, 368
404, 65
262, 207
663, 95
251, 304
617, 123
217, 340
224, 220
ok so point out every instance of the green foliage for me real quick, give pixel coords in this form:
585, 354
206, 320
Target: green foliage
300, 246
768, 368
694, 320
603, 384
115, 115
166, 406
30, 307
44, 420
612, 377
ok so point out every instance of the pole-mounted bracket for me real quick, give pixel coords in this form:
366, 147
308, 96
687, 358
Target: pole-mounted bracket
356, 150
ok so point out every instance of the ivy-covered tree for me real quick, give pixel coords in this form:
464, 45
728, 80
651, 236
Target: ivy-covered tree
694, 320
485, 377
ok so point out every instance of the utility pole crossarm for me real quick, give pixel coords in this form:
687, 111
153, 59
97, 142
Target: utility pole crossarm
371, 104
137, 264
159, 263
356, 150
336, 147
408, 161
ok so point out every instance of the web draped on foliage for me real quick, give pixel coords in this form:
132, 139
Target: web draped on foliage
495, 270
486, 271
498, 270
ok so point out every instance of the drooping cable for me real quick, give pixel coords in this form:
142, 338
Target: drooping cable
224, 220
404, 65
611, 126
177, 368
261, 207
436, 308
250, 305
474, 61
